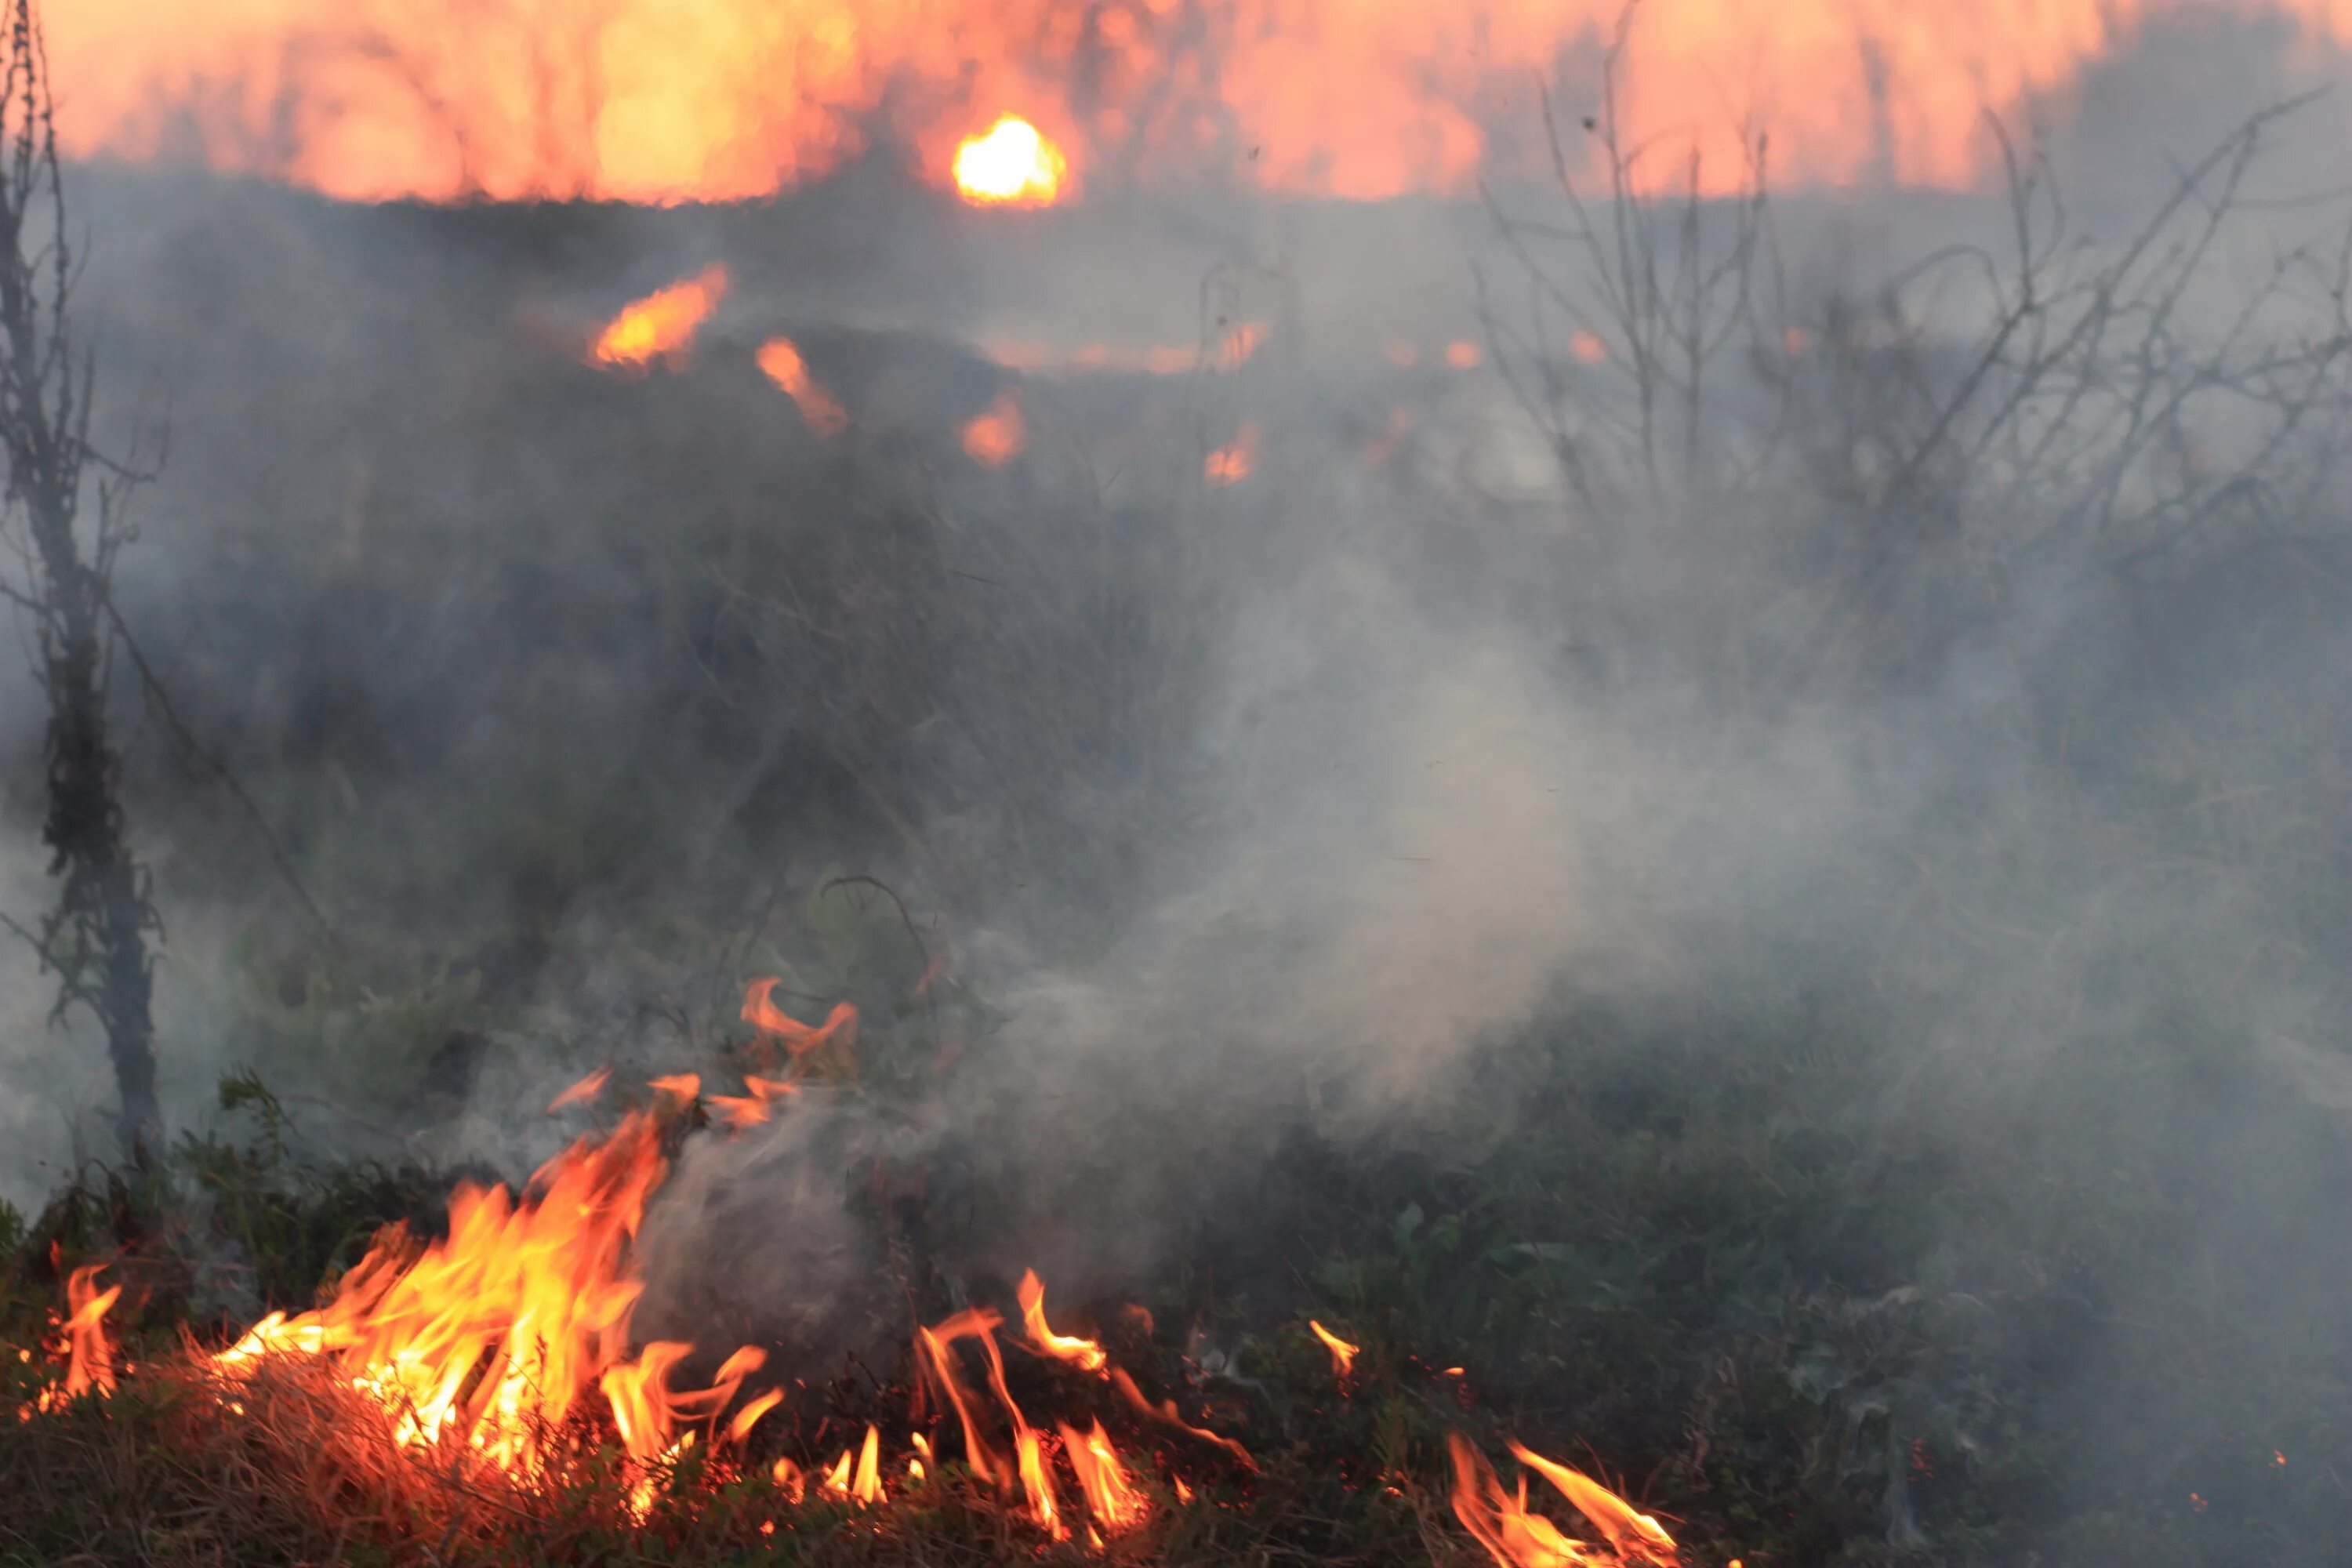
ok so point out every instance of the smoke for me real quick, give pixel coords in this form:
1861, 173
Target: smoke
1218, 819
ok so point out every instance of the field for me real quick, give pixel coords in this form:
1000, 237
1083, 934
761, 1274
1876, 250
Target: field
1780, 910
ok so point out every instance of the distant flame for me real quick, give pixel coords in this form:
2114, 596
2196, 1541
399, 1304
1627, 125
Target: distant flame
1009, 165
1234, 461
661, 325
779, 361
997, 437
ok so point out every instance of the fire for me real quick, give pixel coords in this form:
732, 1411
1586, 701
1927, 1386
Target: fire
89, 1357
997, 437
1230, 350
661, 325
1234, 461
860, 1483
806, 1049
1112, 1498
1343, 1354
583, 1092
484, 1344
1083, 1354
1517, 1538
533, 1294
1363, 100
779, 361
1009, 165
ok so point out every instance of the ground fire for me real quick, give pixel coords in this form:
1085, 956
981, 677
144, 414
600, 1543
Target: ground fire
506, 1348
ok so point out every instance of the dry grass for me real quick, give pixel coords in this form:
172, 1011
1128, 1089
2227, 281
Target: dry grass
302, 1471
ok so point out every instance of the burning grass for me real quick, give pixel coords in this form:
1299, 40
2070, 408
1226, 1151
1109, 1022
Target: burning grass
481, 1396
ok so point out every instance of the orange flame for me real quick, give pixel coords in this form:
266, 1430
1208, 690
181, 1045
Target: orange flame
1364, 100
828, 1042
534, 1294
89, 1358
1165, 1411
1083, 1354
1111, 1498
1028, 1468
740, 1112
1343, 1354
1517, 1538
661, 325
780, 362
858, 1481
1009, 165
997, 437
1234, 462
580, 1093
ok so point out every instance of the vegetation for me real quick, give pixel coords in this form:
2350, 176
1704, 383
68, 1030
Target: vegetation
1960, 1193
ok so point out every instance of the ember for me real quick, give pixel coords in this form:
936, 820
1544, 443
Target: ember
661, 325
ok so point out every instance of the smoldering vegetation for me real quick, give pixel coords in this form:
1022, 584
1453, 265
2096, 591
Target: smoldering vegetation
1765, 870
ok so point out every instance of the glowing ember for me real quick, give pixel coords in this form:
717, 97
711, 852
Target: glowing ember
1516, 1537
1343, 1354
1234, 461
781, 361
661, 325
997, 437
1083, 1354
1009, 165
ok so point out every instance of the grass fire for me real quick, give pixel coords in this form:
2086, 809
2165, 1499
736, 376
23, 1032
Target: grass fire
1207, 783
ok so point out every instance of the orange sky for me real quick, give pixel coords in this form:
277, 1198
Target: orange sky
665, 100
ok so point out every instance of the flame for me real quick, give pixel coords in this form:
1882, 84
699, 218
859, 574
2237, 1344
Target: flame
533, 1294
1343, 1354
1111, 1498
1365, 99
779, 361
754, 1107
1234, 461
995, 437
683, 1087
859, 1481
1165, 1411
1009, 165
661, 325
89, 1357
1083, 1354
581, 1093
1517, 1538
1228, 351
829, 1042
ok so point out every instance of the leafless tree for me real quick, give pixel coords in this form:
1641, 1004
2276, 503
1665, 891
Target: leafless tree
65, 521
